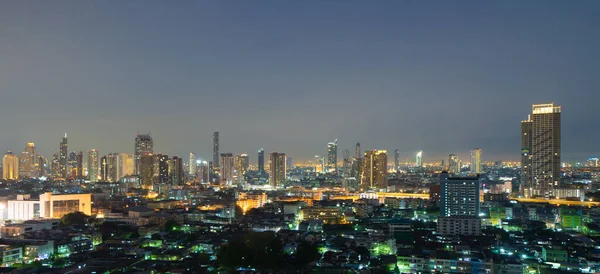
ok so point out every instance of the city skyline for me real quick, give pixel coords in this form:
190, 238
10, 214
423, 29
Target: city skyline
309, 83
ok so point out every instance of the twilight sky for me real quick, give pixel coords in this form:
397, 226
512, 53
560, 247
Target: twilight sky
438, 76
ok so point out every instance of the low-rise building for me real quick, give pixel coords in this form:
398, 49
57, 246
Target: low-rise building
459, 225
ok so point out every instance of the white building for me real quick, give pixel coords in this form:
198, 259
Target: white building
48, 206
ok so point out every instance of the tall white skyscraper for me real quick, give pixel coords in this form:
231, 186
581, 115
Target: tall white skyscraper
193, 164
419, 159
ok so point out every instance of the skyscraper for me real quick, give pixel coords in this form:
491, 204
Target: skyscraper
112, 167
27, 162
453, 164
92, 165
261, 161
216, 155
332, 156
203, 172
62, 160
459, 196
55, 165
419, 159
125, 165
374, 171
176, 171
540, 150
241, 166
10, 166
192, 164
397, 160
146, 170
161, 176
143, 145
79, 172
104, 168
277, 175
346, 164
357, 153
227, 167
476, 161
72, 166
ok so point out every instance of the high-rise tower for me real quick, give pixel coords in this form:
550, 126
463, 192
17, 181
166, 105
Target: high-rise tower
357, 151
332, 156
227, 167
216, 155
27, 162
193, 164
10, 166
374, 171
143, 145
92, 165
62, 160
277, 169
540, 150
476, 161
261, 161
397, 160
419, 159
453, 164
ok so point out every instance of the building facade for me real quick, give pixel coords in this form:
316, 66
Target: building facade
374, 171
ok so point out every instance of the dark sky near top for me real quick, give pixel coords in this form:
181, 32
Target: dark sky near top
438, 76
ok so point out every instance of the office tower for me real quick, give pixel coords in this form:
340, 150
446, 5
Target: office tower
72, 164
125, 165
203, 171
55, 165
357, 165
62, 160
27, 162
92, 165
453, 164
593, 162
192, 164
397, 160
476, 161
161, 166
104, 169
10, 166
176, 171
540, 150
143, 145
216, 155
242, 162
79, 172
357, 151
112, 167
227, 167
332, 156
346, 164
277, 168
419, 159
212, 178
374, 171
459, 196
146, 170
261, 161
41, 166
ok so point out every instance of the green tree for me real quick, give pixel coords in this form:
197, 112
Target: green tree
171, 226
305, 253
74, 219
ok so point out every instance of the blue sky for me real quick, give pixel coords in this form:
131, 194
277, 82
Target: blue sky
438, 76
